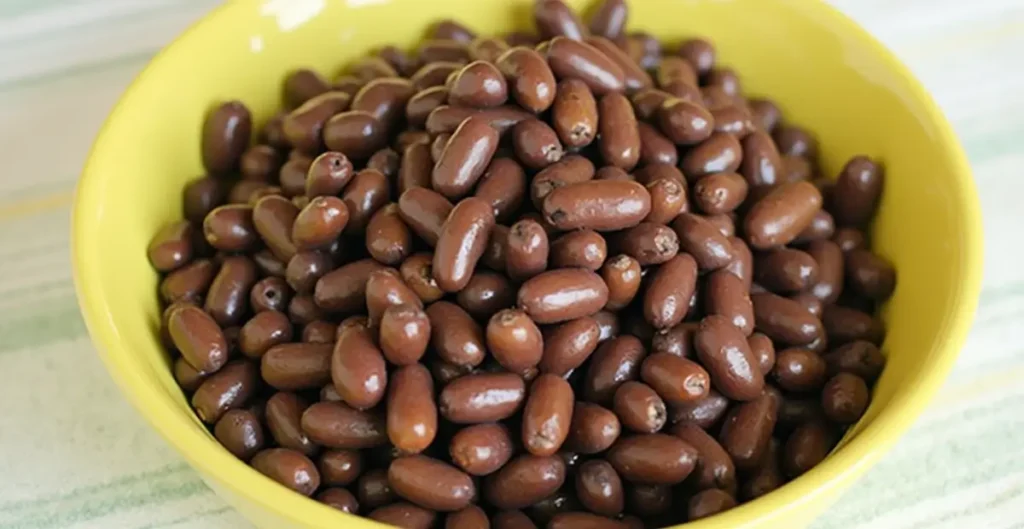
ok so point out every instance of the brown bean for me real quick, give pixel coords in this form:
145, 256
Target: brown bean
171, 247
719, 153
644, 48
455, 336
328, 174
761, 165
570, 170
336, 425
857, 192
487, 49
593, 428
227, 300
571, 59
747, 431
412, 413
438, 50
735, 120
685, 123
306, 268
765, 477
384, 98
472, 517
677, 340
319, 223
434, 74
423, 103
614, 362
780, 216
705, 412
514, 340
648, 242
344, 289
806, 447
497, 246
599, 488
668, 294
404, 515
869, 275
796, 168
785, 320
860, 357
230, 228
723, 350
619, 137
647, 102
289, 468
579, 249
655, 147
263, 331
296, 366
553, 18
845, 398
228, 388
676, 379
609, 21
568, 345
368, 192
715, 469
726, 295
785, 270
622, 275
799, 369
672, 69
719, 193
283, 416
485, 294
708, 246
602, 205
339, 468
529, 77
358, 369
480, 85
356, 133
374, 490
742, 265
404, 333
319, 331
416, 272
226, 132
425, 212
304, 126
763, 349
843, 325
388, 238
340, 499
482, 397
274, 216
302, 310
707, 503
527, 250
240, 432
563, 294
462, 243
481, 449
465, 158
639, 407
302, 85
634, 77
583, 520
503, 186
201, 196
270, 293
657, 459
524, 481
547, 414
198, 337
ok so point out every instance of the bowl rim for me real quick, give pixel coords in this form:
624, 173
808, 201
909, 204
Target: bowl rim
210, 459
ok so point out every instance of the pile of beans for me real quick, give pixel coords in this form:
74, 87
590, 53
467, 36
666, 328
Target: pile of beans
559, 279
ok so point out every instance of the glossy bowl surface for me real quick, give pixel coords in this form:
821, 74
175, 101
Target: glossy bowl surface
823, 70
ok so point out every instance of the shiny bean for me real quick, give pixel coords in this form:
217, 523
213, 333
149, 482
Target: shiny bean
685, 123
547, 414
857, 192
524, 481
780, 216
657, 459
562, 294
227, 300
228, 388
344, 289
328, 174
784, 320
869, 275
417, 272
264, 330
719, 153
570, 170
289, 468
845, 398
572, 59
319, 223
761, 165
336, 425
667, 297
639, 407
358, 369
615, 361
655, 147
283, 416
465, 158
388, 238
356, 133
425, 212
747, 431
240, 432
481, 449
602, 205
339, 468
503, 185
707, 503
579, 249
553, 18
785, 270
514, 340
230, 228
404, 515
412, 413
619, 136
676, 379
478, 85
485, 294
483, 397
719, 193
225, 135
198, 337
296, 366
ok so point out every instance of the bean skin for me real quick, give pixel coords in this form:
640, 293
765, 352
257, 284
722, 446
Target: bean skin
319, 223
723, 350
707, 503
668, 294
465, 158
653, 459
527, 250
289, 468
224, 390
240, 432
547, 414
806, 447
226, 132
780, 216
563, 294
481, 449
593, 428
198, 337
431, 483
484, 397
579, 249
404, 334
514, 340
412, 413
358, 368
462, 243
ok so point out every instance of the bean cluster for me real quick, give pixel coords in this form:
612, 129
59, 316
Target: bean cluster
568, 278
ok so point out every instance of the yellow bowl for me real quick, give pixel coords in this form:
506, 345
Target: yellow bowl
824, 71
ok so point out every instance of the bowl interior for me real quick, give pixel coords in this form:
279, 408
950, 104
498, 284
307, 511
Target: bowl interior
823, 71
